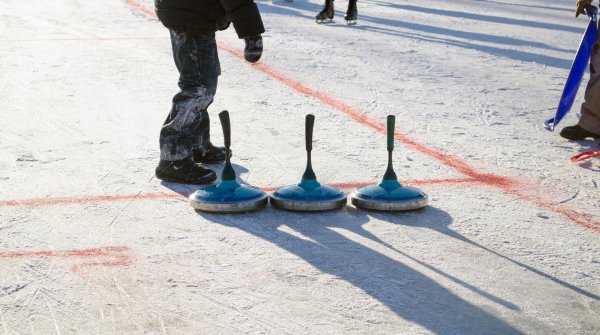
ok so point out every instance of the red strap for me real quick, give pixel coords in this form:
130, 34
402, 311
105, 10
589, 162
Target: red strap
585, 155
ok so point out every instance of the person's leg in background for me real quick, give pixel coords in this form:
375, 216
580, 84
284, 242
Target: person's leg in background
589, 122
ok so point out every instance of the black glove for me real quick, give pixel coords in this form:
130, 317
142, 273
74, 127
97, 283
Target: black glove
254, 48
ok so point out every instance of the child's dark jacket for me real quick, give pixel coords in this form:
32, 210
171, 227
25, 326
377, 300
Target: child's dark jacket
208, 16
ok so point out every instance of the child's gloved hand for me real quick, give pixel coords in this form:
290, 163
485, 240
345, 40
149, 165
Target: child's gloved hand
581, 6
253, 49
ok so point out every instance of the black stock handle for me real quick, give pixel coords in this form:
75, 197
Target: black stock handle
391, 122
224, 117
228, 173
310, 123
309, 173
389, 173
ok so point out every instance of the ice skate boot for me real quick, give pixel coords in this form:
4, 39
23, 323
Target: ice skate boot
326, 13
351, 13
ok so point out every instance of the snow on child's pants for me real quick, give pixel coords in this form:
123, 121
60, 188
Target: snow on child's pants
197, 60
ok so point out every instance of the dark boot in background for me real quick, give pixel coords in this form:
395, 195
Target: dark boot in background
326, 13
351, 13
576, 133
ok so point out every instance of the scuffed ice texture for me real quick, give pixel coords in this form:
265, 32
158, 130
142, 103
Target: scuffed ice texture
86, 85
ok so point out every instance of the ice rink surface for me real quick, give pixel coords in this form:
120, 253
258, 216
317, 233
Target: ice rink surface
92, 243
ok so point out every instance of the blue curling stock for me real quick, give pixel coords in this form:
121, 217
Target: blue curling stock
308, 190
578, 68
228, 191
389, 190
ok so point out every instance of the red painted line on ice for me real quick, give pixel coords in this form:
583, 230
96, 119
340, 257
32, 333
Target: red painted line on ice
81, 200
582, 219
356, 115
104, 256
504, 184
154, 196
349, 186
135, 4
80, 39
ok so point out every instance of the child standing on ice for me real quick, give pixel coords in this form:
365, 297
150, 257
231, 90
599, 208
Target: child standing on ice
589, 122
185, 134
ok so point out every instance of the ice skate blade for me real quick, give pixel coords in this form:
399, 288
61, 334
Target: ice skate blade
308, 206
229, 207
350, 22
324, 21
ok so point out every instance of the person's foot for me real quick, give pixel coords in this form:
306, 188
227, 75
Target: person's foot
184, 171
326, 13
576, 133
352, 12
210, 154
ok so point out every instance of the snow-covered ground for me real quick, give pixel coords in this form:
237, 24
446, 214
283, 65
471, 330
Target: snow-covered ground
92, 243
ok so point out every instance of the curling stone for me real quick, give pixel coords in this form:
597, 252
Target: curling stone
309, 195
228, 196
389, 194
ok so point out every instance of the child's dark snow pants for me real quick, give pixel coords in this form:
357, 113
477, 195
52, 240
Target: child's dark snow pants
187, 126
